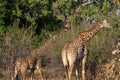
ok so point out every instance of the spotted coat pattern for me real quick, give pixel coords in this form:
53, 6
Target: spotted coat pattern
76, 50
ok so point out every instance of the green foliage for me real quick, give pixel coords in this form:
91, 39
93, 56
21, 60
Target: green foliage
84, 12
106, 6
63, 8
46, 13
92, 11
2, 12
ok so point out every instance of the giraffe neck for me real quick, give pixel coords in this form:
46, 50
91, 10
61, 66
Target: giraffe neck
41, 49
87, 35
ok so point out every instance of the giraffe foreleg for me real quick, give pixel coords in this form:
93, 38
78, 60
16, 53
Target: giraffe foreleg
83, 63
32, 73
15, 76
41, 73
39, 68
23, 75
31, 77
23, 70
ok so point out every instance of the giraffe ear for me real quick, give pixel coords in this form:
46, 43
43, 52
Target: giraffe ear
104, 21
106, 24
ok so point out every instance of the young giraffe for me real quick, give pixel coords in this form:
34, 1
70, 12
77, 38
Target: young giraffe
22, 65
76, 50
31, 62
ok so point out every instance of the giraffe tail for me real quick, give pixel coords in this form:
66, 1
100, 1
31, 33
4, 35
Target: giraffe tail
65, 59
65, 62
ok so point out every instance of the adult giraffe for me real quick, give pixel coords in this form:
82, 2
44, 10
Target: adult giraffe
76, 50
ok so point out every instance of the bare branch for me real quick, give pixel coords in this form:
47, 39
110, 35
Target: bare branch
87, 3
97, 2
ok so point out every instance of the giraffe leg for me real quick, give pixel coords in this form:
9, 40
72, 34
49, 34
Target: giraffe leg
24, 76
70, 71
32, 73
15, 76
31, 77
23, 70
77, 72
83, 63
41, 73
66, 72
39, 68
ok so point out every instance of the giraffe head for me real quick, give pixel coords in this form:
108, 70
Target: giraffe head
104, 23
30, 61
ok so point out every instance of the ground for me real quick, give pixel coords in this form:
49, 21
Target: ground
54, 70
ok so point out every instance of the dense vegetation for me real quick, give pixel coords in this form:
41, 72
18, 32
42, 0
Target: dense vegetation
25, 24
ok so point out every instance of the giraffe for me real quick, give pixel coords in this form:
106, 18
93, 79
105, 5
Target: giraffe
31, 62
22, 65
76, 50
